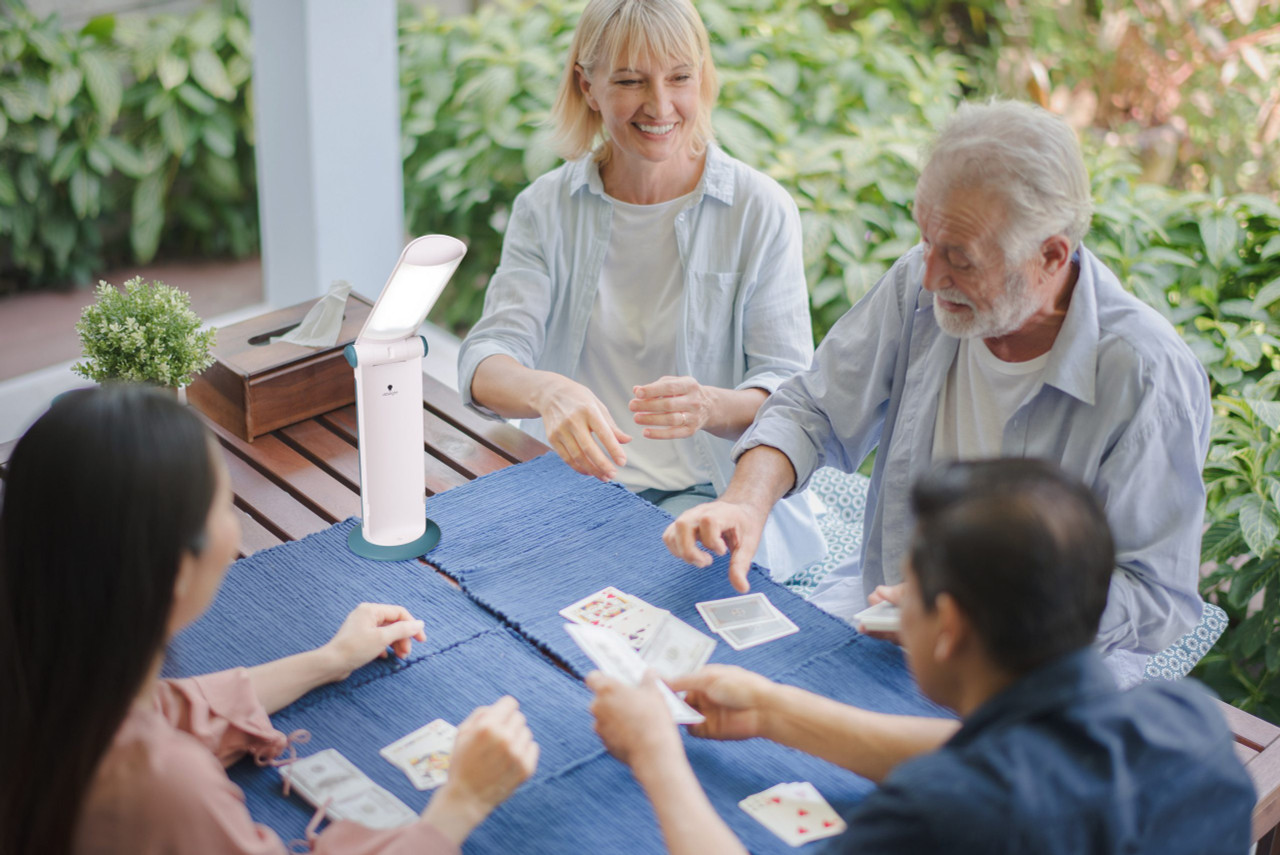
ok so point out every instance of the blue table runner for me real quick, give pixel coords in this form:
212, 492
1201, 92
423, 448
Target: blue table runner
524, 542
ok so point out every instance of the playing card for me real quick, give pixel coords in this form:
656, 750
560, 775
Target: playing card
884, 616
614, 656
627, 615
424, 755
742, 637
676, 649
373, 807
796, 812
325, 775
736, 611
329, 780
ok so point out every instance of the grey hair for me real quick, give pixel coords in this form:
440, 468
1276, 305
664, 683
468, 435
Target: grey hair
1026, 156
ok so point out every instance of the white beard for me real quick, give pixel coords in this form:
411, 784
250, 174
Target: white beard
1007, 315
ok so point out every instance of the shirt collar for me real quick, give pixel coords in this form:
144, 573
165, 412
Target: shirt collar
1052, 685
716, 182
1072, 366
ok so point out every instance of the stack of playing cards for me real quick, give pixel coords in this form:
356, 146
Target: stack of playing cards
667, 644
614, 656
746, 621
424, 755
884, 616
329, 780
796, 812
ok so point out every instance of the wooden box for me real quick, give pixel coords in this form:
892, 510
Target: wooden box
255, 387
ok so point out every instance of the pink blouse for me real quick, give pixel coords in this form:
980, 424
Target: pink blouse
161, 787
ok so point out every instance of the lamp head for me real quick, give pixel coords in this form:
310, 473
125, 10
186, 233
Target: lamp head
419, 277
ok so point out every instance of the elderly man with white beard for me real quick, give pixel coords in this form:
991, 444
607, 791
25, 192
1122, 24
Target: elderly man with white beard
999, 335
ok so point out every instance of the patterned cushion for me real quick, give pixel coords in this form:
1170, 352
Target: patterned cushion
845, 498
1177, 660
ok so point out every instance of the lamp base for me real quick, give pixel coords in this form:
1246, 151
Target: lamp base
356, 543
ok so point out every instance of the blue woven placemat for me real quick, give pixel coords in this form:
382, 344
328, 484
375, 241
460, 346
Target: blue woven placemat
293, 597
549, 536
524, 542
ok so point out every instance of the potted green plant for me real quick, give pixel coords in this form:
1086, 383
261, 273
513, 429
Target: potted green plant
143, 334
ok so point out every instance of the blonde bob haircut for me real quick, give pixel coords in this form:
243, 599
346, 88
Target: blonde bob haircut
615, 34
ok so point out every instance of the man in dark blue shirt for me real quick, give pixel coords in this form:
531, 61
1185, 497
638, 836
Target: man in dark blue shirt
1005, 581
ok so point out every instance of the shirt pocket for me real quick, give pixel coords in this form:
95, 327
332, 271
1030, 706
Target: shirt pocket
714, 328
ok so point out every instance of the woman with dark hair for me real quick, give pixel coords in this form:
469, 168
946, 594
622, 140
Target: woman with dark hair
116, 530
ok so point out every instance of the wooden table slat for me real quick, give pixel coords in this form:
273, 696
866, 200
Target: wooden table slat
1249, 730
278, 511
440, 477
253, 536
1265, 771
294, 473
459, 449
336, 454
507, 440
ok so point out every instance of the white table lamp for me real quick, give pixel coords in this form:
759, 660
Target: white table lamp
387, 358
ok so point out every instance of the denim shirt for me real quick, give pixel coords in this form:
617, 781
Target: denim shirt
1122, 404
745, 314
1062, 763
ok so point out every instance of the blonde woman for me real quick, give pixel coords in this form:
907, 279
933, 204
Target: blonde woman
651, 290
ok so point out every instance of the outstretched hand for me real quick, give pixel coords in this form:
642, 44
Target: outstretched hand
722, 527
366, 634
574, 418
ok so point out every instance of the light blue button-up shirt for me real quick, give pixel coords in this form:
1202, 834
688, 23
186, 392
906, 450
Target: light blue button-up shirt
1122, 404
744, 319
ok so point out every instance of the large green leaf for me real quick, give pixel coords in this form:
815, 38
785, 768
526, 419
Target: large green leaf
1221, 235
102, 79
171, 70
211, 74
148, 216
1259, 523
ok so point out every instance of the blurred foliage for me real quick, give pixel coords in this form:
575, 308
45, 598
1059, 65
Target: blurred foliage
128, 137
1191, 87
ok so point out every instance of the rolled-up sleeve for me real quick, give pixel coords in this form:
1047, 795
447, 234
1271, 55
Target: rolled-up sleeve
1151, 488
833, 413
516, 304
777, 333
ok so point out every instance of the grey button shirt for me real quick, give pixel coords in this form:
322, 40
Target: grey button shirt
1122, 404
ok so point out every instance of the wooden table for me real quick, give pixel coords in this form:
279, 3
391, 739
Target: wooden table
303, 478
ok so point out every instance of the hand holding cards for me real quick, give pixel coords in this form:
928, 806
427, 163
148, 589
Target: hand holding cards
614, 656
746, 621
796, 812
884, 616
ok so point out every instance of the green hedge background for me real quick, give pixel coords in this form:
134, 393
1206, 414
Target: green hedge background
132, 137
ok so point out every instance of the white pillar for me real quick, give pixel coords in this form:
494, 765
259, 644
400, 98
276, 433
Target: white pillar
327, 115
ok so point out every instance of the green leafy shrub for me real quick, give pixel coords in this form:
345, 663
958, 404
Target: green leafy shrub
145, 334
119, 135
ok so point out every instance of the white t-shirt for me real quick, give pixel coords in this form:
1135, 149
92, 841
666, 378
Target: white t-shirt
982, 392
631, 338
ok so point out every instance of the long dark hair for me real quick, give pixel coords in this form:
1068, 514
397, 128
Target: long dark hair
104, 494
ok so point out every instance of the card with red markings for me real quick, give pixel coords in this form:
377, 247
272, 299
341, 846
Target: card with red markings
796, 812
629, 616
